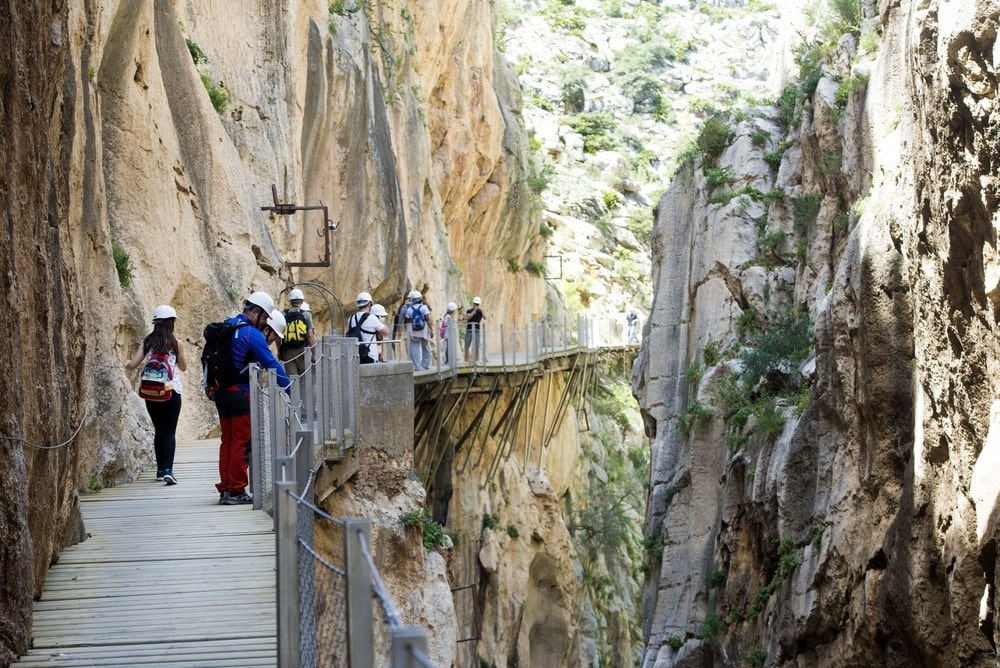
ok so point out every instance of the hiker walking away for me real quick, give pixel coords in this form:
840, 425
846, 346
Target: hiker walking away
164, 414
298, 344
473, 329
418, 331
249, 343
447, 326
632, 319
379, 312
367, 329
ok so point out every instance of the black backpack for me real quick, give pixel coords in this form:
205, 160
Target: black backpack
296, 330
354, 331
218, 370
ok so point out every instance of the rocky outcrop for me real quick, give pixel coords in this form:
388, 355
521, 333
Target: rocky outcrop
859, 528
142, 141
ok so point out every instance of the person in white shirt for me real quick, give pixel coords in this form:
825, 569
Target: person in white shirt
367, 328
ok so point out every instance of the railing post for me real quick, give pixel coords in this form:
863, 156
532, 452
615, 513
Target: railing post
303, 459
307, 380
351, 392
359, 595
256, 445
403, 641
287, 562
503, 349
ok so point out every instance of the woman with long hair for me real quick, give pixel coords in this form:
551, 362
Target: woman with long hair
164, 414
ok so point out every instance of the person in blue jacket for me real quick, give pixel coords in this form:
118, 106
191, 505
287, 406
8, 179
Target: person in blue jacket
250, 344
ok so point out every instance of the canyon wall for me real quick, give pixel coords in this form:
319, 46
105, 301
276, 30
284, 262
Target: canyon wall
841, 509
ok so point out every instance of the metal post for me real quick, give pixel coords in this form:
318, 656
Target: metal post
256, 479
350, 393
303, 459
287, 584
404, 640
503, 350
359, 595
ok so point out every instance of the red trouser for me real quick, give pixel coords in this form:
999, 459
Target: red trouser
233, 405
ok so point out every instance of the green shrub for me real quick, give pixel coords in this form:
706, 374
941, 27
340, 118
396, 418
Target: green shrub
197, 55
711, 353
490, 521
653, 546
513, 266
640, 222
535, 267
848, 87
433, 534
611, 199
674, 642
595, 128
788, 560
545, 230
714, 137
783, 345
540, 176
770, 421
412, 519
718, 176
123, 265
513, 532
756, 658
218, 96
573, 88
697, 416
711, 627
773, 158
715, 578
805, 210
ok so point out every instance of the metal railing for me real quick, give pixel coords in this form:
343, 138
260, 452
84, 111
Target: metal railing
509, 345
294, 433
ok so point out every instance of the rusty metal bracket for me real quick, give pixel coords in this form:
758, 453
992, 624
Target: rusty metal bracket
286, 209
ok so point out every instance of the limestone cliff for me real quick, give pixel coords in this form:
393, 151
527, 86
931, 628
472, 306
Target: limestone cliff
839, 508
142, 139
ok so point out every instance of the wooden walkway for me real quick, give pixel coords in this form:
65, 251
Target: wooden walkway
167, 577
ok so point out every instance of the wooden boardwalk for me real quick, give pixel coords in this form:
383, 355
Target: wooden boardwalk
167, 577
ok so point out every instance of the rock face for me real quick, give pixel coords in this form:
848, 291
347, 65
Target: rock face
144, 138
862, 531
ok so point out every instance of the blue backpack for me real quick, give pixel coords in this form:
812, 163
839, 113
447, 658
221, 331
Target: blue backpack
417, 319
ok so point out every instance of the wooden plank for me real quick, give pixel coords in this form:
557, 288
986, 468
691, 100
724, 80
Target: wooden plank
167, 577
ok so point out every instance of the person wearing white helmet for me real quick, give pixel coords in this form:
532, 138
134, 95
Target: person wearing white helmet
249, 344
418, 331
274, 331
298, 344
163, 350
447, 328
473, 329
379, 312
367, 329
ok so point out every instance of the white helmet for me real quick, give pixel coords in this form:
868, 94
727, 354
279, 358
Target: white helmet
164, 312
477, 300
296, 295
277, 323
364, 298
416, 296
451, 306
262, 300
379, 311
305, 307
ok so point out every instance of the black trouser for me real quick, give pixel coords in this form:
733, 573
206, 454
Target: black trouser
164, 415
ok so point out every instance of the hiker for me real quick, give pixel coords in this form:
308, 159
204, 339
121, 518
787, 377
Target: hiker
473, 330
367, 329
379, 312
249, 343
447, 326
299, 338
632, 319
419, 333
164, 414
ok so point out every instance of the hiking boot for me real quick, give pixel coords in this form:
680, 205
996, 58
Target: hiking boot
169, 478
